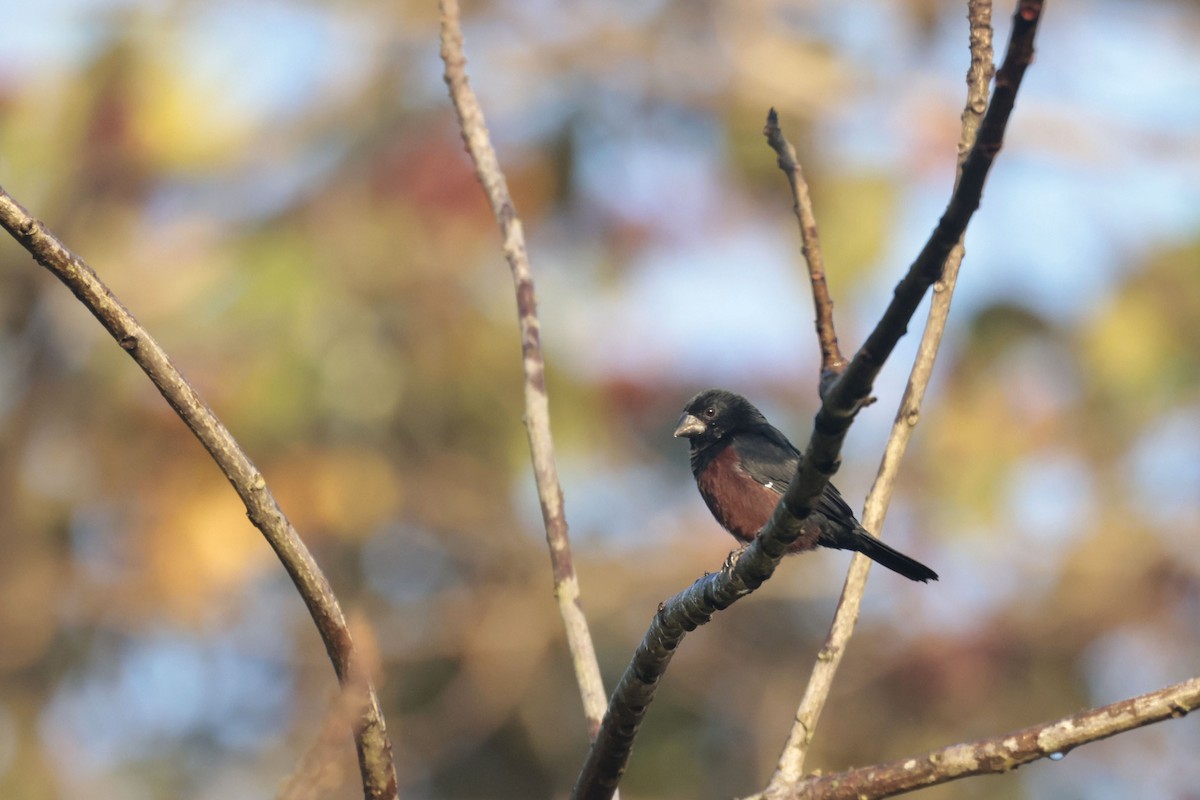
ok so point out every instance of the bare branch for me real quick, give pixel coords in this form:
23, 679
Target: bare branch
833, 363
791, 763
1002, 753
606, 761
374, 747
537, 408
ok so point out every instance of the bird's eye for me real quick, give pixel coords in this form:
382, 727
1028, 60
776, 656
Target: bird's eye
710, 412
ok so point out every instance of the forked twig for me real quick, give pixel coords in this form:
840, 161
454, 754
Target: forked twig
606, 761
791, 762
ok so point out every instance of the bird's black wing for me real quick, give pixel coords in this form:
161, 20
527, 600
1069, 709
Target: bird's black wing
768, 457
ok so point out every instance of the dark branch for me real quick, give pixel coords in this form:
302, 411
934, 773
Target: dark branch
675, 618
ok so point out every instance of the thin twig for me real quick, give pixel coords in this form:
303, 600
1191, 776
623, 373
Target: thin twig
999, 754
374, 748
833, 363
791, 763
537, 408
606, 761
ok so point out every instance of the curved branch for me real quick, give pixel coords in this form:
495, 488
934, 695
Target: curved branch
537, 407
791, 762
370, 733
1002, 753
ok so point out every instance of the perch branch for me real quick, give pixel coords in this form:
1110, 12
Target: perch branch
675, 618
537, 408
606, 761
370, 733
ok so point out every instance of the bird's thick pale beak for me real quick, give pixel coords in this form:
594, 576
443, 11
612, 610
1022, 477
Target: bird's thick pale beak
689, 425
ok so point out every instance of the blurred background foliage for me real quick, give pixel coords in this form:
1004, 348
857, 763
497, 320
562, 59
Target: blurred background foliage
278, 191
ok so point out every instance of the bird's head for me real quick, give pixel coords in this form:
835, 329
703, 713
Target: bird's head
715, 414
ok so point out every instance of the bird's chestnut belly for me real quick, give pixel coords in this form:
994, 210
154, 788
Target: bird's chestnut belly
741, 504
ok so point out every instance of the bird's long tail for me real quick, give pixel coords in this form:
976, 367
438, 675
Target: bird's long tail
862, 542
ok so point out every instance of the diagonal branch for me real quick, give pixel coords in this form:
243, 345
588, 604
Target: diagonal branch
537, 408
791, 762
606, 761
370, 733
1002, 753
683, 613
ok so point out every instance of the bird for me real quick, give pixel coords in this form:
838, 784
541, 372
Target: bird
742, 465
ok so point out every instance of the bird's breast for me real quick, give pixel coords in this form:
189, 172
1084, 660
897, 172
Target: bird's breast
741, 504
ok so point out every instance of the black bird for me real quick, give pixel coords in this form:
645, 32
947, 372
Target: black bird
742, 464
